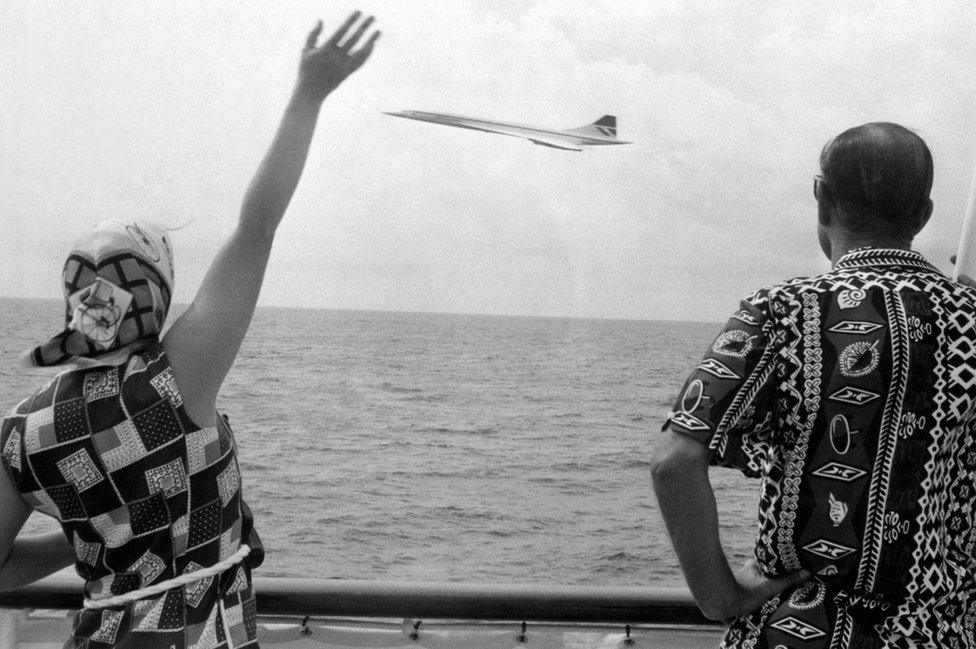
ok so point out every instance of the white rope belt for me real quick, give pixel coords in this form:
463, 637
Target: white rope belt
163, 586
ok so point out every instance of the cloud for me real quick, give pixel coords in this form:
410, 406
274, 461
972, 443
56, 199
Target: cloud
164, 110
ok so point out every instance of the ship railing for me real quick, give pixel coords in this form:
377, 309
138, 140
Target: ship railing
628, 613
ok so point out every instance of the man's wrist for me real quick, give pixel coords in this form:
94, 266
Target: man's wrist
720, 601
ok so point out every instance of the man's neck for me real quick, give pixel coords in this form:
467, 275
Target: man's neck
841, 245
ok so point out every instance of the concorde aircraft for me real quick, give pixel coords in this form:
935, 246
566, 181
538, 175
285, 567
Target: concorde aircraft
602, 131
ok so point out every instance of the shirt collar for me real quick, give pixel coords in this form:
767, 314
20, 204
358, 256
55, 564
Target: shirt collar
865, 257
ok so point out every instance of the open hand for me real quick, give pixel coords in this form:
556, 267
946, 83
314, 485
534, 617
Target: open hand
754, 588
324, 67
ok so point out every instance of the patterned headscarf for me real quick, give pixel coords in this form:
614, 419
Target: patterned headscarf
118, 281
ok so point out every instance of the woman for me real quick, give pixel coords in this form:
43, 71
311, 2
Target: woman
126, 448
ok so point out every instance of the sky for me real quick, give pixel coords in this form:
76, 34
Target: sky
162, 111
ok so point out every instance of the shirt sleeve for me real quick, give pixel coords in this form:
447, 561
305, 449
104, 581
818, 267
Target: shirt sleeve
727, 402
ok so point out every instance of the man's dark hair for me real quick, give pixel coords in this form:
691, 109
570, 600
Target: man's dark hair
880, 174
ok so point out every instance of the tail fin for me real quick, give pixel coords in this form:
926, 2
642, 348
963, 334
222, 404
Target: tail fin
605, 126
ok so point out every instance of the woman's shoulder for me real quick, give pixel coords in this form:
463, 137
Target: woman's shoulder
60, 388
137, 382
93, 381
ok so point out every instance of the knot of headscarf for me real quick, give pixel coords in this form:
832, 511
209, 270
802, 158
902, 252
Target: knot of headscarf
118, 282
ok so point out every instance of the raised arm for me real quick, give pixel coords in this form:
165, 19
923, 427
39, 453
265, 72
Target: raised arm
203, 343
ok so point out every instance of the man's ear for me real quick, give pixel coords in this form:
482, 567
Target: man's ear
824, 204
824, 210
922, 217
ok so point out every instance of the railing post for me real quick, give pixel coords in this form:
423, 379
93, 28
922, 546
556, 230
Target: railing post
9, 620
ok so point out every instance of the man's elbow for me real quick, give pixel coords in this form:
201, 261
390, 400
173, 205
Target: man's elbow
666, 466
715, 613
674, 456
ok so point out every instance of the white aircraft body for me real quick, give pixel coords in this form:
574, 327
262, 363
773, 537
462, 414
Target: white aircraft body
602, 131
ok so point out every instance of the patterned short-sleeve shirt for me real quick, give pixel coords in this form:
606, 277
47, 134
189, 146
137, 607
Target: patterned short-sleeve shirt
144, 495
851, 395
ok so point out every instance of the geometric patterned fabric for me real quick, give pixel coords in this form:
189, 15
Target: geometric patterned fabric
852, 396
145, 495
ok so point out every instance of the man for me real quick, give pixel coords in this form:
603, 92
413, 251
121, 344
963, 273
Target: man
852, 395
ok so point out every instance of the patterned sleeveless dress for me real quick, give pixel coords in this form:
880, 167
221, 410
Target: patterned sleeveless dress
144, 495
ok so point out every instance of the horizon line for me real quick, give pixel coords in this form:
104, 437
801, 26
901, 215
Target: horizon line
178, 305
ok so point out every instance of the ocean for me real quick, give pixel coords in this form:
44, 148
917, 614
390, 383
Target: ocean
427, 447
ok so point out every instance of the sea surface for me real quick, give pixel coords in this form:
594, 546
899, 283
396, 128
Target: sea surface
416, 446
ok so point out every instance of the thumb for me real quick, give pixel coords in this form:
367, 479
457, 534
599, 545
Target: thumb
797, 577
313, 37
778, 584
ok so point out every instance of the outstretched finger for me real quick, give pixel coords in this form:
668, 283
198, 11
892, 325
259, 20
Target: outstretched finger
350, 42
359, 56
313, 36
339, 33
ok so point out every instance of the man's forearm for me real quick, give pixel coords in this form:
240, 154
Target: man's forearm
687, 504
35, 557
